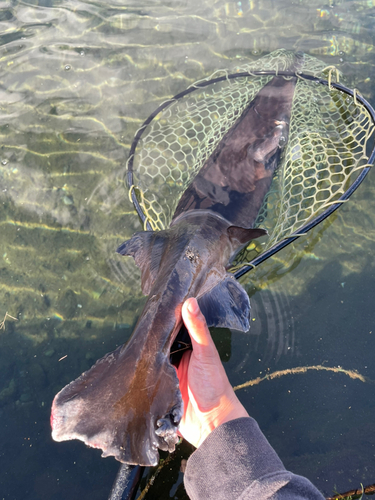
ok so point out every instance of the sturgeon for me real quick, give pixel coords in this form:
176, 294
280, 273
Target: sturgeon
129, 404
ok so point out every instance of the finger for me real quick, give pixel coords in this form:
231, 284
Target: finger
197, 326
183, 366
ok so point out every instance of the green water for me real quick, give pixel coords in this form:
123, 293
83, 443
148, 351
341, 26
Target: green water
77, 79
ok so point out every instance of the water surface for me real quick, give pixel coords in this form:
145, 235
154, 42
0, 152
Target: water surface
76, 81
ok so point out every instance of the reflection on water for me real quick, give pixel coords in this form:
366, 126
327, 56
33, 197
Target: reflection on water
77, 80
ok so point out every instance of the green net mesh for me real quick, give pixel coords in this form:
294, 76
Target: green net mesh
327, 147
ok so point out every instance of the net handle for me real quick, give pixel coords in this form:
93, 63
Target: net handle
305, 228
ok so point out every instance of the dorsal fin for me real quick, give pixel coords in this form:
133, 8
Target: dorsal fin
243, 235
147, 249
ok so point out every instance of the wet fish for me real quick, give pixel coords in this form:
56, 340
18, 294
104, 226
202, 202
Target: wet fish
129, 403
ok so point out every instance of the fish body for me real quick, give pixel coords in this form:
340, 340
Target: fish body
129, 403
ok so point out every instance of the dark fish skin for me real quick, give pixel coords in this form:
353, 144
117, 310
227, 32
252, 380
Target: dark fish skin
129, 403
236, 177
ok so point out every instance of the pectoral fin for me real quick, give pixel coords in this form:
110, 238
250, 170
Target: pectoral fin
226, 305
147, 249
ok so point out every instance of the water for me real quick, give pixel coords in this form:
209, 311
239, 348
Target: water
77, 80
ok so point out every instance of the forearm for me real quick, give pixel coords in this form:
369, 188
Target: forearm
237, 462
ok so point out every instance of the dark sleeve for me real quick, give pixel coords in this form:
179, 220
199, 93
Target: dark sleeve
237, 462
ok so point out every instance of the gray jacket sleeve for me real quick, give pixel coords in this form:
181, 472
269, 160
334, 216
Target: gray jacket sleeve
236, 462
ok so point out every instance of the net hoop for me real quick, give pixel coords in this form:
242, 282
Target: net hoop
304, 228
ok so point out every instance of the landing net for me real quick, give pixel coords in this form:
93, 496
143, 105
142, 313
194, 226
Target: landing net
329, 151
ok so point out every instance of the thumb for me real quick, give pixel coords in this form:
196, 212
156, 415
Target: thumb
195, 322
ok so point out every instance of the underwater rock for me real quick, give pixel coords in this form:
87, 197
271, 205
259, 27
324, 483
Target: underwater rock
7, 392
26, 397
37, 375
49, 353
67, 303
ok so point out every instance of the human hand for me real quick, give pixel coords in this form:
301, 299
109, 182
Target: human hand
209, 399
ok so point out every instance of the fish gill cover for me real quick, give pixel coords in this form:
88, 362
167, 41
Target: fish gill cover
327, 145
